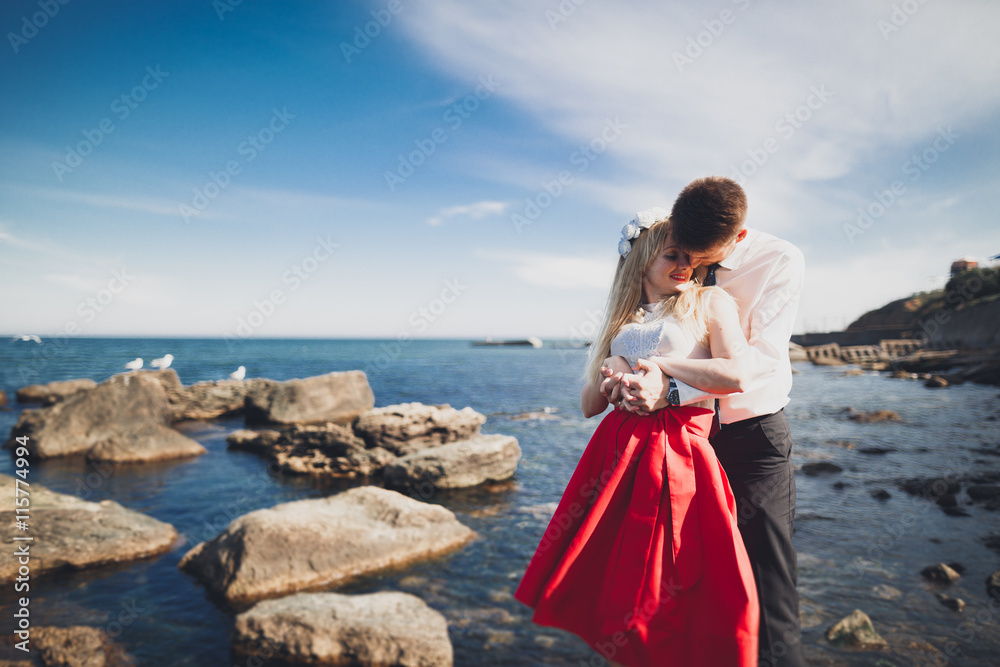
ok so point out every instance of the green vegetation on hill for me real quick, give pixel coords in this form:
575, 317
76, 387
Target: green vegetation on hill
963, 290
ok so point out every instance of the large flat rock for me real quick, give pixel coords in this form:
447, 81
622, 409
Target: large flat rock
73, 534
311, 543
386, 629
457, 465
409, 427
334, 397
214, 399
152, 442
125, 402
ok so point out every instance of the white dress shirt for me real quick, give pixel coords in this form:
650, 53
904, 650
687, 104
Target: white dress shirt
764, 274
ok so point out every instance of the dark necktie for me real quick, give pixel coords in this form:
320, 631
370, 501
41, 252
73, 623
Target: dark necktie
709, 281
710, 276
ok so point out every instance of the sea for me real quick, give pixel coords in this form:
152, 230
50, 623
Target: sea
862, 540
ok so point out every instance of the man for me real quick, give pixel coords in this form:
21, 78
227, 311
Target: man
764, 275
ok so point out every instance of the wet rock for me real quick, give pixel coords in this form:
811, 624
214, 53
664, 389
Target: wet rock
409, 427
903, 375
936, 382
330, 450
53, 392
880, 494
993, 586
886, 592
319, 542
948, 500
992, 542
3, 399
955, 604
871, 417
152, 442
931, 488
76, 646
853, 372
73, 534
876, 451
377, 630
856, 631
983, 492
462, 464
334, 397
820, 468
840, 486
125, 403
941, 573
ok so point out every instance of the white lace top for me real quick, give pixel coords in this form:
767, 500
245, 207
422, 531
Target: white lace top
664, 337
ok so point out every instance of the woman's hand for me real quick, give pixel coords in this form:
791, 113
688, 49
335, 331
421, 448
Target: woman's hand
613, 370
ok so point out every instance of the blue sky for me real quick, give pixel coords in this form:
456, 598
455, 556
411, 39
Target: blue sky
464, 169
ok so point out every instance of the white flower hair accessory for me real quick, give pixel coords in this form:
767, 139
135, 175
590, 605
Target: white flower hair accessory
642, 220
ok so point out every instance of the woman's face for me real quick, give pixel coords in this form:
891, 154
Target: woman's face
668, 273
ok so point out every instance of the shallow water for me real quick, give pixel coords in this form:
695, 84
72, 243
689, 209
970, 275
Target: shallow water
854, 551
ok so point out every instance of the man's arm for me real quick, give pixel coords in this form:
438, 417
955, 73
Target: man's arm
771, 325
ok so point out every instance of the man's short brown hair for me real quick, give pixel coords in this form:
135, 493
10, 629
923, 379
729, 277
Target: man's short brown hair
708, 212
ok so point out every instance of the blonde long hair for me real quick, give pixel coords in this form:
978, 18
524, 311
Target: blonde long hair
625, 299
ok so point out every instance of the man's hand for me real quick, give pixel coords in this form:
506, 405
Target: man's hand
646, 390
613, 370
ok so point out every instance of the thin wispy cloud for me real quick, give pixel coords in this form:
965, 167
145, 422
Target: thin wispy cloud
469, 211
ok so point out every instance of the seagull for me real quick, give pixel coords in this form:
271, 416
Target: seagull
239, 373
135, 364
163, 363
28, 337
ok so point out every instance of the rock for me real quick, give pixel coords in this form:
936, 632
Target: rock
3, 399
73, 534
844, 444
214, 399
123, 403
855, 631
853, 372
903, 375
328, 450
983, 491
947, 500
941, 573
409, 427
148, 443
457, 465
840, 486
993, 586
258, 442
871, 417
886, 592
820, 468
880, 494
319, 542
931, 488
76, 646
936, 382
876, 451
334, 397
53, 392
955, 604
378, 630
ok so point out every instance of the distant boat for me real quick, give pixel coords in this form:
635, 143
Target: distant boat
524, 342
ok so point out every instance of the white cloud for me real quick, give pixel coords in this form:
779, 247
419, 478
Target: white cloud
472, 211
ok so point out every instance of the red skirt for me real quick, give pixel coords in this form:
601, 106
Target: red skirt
643, 558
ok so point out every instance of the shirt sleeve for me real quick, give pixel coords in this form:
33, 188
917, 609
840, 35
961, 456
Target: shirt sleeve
771, 324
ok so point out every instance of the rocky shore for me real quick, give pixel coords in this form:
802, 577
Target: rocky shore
323, 426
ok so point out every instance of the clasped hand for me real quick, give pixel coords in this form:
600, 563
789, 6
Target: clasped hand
639, 389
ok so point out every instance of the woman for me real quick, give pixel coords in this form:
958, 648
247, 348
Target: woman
643, 558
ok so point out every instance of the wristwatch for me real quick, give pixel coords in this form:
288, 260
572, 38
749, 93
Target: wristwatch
673, 396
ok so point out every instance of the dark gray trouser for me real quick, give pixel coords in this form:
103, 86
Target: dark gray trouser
756, 455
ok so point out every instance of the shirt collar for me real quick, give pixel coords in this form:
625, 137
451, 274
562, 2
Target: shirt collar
739, 253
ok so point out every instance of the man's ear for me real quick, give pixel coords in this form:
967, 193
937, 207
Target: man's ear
742, 235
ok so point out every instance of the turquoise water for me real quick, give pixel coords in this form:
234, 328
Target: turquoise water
851, 546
